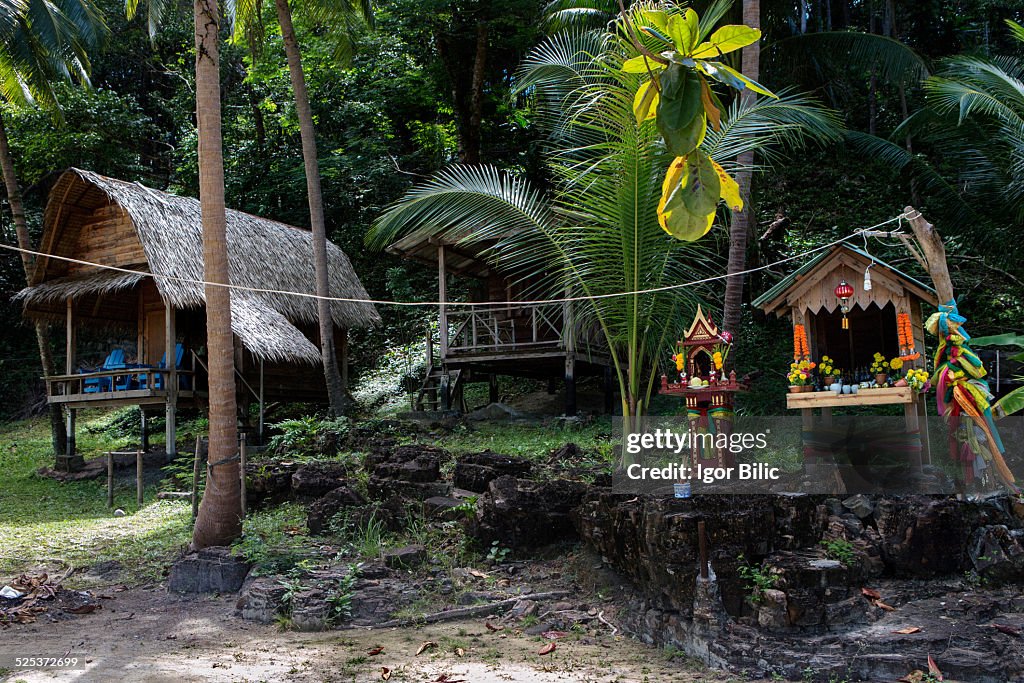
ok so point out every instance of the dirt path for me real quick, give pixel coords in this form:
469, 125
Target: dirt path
152, 637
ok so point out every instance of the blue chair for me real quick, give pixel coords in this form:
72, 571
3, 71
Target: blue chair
158, 377
95, 385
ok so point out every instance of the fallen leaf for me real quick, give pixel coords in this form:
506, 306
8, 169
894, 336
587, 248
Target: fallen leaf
915, 676
933, 668
426, 645
385, 673
478, 574
375, 651
871, 593
459, 652
907, 631
547, 649
554, 635
84, 609
1008, 630
491, 627
882, 605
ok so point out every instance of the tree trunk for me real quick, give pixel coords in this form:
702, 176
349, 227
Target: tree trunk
476, 97
58, 436
332, 373
219, 520
742, 220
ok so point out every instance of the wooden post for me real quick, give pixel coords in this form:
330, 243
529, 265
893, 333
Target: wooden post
493, 395
171, 379
569, 339
195, 477
430, 348
143, 430
702, 543
139, 481
140, 326
110, 479
241, 471
442, 297
933, 251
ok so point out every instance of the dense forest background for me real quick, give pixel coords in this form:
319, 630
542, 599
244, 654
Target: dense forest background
430, 86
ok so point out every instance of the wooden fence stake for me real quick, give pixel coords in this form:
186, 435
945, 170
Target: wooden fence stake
110, 479
139, 483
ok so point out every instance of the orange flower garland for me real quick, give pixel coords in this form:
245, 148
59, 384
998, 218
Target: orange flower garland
906, 337
800, 347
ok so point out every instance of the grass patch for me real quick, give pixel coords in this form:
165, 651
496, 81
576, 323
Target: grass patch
529, 440
46, 522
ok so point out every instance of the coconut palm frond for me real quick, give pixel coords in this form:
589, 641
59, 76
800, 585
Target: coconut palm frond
769, 126
894, 61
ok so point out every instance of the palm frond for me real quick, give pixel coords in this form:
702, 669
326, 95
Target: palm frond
833, 51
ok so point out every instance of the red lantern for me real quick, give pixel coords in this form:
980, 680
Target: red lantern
843, 292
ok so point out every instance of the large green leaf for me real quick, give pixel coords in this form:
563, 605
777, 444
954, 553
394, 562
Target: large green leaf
700, 186
1012, 403
682, 141
727, 39
690, 194
1005, 339
734, 79
641, 64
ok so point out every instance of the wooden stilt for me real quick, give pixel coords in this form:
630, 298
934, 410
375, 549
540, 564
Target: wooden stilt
143, 430
493, 396
570, 386
171, 381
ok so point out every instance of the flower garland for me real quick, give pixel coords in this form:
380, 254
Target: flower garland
800, 347
906, 337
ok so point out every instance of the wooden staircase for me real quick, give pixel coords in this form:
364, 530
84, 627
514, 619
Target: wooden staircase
441, 390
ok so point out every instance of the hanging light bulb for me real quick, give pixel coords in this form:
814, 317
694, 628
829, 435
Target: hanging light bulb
843, 292
867, 277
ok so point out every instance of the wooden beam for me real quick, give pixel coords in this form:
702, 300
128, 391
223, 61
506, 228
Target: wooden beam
930, 242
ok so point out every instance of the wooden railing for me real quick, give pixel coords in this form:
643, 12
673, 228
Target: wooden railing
504, 328
117, 383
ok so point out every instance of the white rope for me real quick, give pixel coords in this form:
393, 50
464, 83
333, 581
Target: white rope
434, 304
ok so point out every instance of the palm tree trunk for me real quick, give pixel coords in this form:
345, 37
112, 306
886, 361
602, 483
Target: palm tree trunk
57, 434
219, 519
739, 230
332, 373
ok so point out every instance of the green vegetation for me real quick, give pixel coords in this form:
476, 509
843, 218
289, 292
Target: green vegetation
756, 579
62, 525
841, 550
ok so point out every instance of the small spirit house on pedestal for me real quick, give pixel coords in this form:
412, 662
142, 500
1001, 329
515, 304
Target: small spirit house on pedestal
704, 386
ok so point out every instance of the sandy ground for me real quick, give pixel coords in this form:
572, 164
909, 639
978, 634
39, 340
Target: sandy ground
149, 636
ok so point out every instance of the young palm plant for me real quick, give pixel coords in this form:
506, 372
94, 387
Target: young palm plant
596, 233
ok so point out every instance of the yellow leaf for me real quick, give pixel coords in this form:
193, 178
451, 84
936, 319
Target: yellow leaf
681, 34
693, 24
714, 115
673, 215
640, 64
730, 189
645, 102
727, 39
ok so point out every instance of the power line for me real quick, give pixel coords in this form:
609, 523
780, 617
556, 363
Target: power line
434, 304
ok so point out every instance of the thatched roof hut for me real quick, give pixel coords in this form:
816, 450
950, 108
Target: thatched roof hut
111, 222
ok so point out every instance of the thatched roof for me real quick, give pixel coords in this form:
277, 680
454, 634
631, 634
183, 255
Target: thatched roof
262, 253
